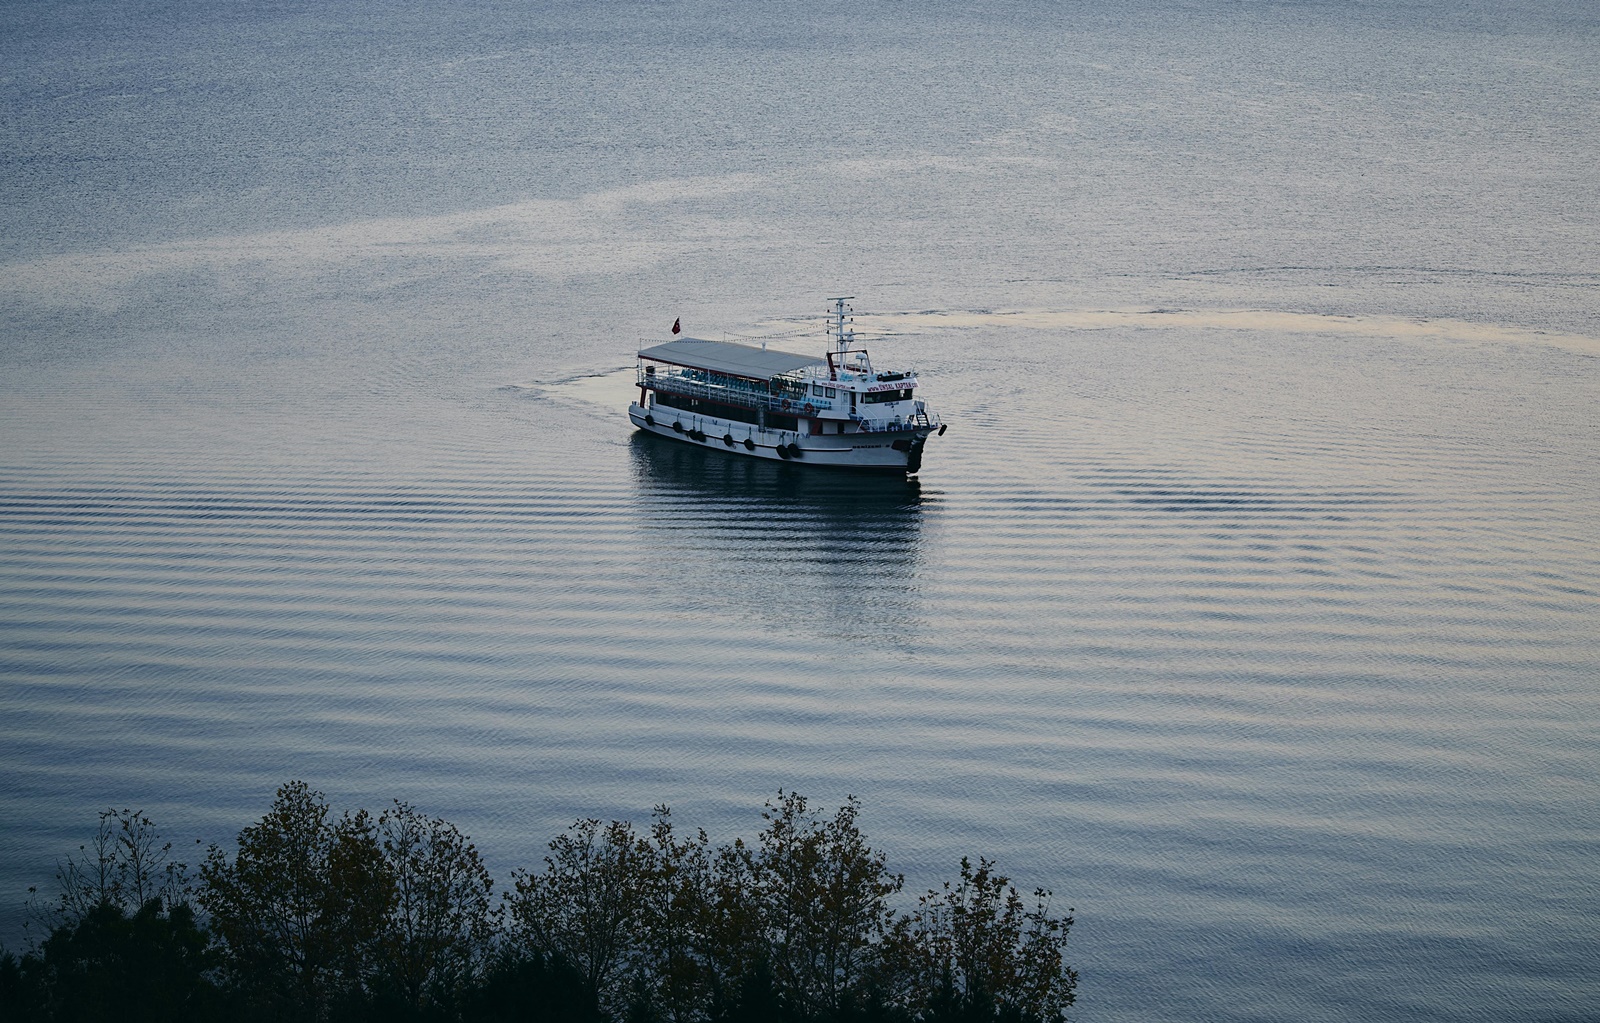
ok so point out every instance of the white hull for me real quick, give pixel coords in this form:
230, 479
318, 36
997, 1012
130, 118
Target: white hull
873, 450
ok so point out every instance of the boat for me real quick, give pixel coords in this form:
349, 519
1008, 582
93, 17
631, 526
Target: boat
763, 403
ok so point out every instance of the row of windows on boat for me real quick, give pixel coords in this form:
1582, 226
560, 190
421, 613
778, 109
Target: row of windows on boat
870, 398
733, 413
779, 388
875, 397
718, 410
747, 415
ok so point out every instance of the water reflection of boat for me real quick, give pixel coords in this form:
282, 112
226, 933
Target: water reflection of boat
764, 536
775, 405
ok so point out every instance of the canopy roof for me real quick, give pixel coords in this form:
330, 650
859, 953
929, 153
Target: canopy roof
729, 358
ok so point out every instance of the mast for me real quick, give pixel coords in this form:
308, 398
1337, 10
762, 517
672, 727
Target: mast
843, 335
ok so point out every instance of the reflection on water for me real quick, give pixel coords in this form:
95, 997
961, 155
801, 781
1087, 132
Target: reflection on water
806, 547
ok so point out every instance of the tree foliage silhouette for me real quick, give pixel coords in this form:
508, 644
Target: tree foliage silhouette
300, 909
150, 965
823, 893
975, 949
348, 918
440, 929
585, 907
126, 864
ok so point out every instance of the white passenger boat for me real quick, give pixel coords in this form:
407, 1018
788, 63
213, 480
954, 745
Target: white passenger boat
753, 401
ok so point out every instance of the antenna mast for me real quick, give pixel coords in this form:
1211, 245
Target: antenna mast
843, 335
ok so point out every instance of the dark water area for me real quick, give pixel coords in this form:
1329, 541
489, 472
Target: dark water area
1251, 602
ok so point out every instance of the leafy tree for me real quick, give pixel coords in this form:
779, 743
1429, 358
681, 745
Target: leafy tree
673, 932
354, 919
441, 925
302, 907
752, 998
975, 950
584, 908
125, 865
121, 939
528, 987
737, 953
823, 896
22, 995
151, 965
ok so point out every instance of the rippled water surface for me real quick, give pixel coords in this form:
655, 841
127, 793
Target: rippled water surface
1251, 602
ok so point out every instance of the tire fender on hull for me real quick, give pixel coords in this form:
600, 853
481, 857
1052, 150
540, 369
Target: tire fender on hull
914, 455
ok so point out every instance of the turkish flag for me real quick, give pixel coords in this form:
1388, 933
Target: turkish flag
677, 325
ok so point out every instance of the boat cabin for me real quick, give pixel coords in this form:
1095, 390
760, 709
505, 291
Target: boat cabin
777, 390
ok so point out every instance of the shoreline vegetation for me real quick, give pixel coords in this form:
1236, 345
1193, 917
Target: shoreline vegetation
356, 917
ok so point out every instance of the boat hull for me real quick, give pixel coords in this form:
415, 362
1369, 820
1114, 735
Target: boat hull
877, 450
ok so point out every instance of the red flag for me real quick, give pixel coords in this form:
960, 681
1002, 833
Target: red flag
677, 325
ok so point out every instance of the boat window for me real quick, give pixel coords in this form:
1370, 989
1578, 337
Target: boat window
877, 397
816, 389
700, 406
832, 392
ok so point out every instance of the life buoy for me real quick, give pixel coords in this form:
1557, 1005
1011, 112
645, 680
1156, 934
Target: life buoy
786, 404
810, 408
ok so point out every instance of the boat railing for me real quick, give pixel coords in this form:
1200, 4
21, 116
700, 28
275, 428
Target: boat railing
792, 402
788, 401
921, 419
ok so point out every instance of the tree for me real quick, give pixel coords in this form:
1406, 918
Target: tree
125, 865
302, 907
673, 933
738, 957
441, 925
122, 940
975, 950
347, 918
151, 965
751, 997
823, 893
528, 987
21, 999
584, 908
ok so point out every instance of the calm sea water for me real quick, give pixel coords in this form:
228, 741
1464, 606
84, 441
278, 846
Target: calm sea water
1252, 601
